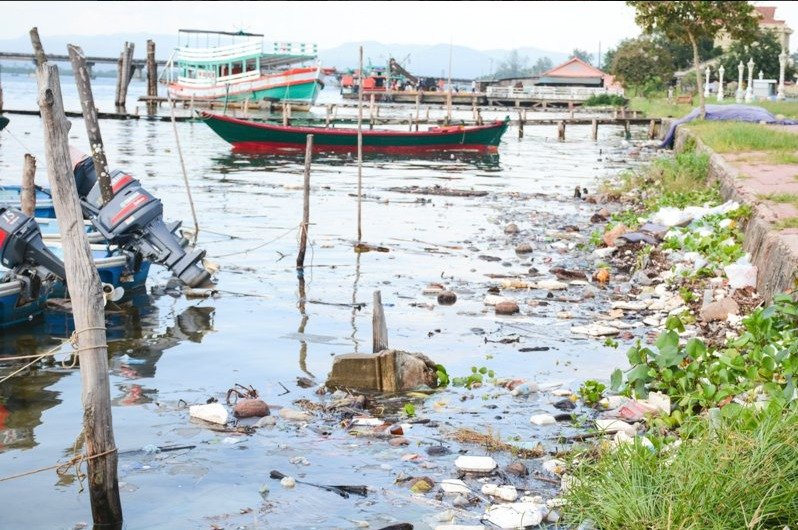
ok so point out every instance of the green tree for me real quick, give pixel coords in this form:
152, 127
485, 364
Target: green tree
682, 53
642, 64
764, 50
582, 54
514, 66
543, 64
690, 21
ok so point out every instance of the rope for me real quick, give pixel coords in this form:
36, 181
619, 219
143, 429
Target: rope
73, 340
61, 469
256, 247
183, 167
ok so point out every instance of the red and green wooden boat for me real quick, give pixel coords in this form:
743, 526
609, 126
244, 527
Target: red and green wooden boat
257, 137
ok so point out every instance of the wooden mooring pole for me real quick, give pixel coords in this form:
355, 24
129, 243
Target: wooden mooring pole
594, 129
87, 308
119, 64
303, 230
561, 130
127, 71
520, 125
152, 71
83, 83
379, 329
27, 195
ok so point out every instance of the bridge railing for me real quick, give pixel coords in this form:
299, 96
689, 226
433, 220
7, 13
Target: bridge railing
549, 92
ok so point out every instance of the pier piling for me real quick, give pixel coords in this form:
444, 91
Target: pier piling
152, 71
27, 196
561, 131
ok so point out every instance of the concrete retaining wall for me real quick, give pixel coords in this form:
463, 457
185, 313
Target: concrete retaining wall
774, 252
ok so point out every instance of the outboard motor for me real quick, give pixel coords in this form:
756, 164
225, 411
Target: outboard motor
21, 244
133, 219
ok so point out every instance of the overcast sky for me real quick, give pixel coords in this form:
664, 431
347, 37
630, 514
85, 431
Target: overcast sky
555, 26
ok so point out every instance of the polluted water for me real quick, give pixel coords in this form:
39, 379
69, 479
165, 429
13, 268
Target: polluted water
478, 226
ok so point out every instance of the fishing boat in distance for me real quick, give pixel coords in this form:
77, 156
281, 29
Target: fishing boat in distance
233, 66
258, 137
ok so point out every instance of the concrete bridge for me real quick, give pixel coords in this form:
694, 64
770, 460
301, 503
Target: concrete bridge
138, 65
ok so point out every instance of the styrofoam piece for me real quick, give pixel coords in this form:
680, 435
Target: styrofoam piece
212, 412
475, 464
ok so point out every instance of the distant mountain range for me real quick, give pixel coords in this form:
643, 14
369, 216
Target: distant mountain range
423, 60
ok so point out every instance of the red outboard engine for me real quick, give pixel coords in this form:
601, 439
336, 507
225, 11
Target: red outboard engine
133, 219
21, 244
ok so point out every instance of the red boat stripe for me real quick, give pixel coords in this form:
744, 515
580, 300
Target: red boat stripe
121, 182
129, 208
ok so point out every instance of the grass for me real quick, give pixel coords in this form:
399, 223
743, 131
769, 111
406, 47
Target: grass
783, 198
730, 137
660, 108
742, 474
790, 222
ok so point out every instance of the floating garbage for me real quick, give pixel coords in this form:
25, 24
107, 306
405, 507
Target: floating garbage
475, 464
212, 412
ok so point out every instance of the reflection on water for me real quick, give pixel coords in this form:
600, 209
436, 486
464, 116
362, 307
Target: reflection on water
134, 346
451, 161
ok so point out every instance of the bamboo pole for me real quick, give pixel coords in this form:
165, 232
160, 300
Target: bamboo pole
360, 147
83, 83
379, 329
27, 195
303, 231
87, 305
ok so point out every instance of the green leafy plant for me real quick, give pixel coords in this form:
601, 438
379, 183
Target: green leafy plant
592, 391
443, 376
475, 378
410, 409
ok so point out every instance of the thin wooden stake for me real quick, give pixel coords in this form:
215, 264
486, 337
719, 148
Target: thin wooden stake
303, 230
87, 306
418, 105
594, 129
27, 195
379, 329
561, 130
520, 125
360, 147
92, 124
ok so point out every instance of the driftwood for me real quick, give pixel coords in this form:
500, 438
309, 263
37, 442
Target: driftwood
439, 190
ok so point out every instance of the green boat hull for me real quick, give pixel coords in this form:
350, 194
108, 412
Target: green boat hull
251, 136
